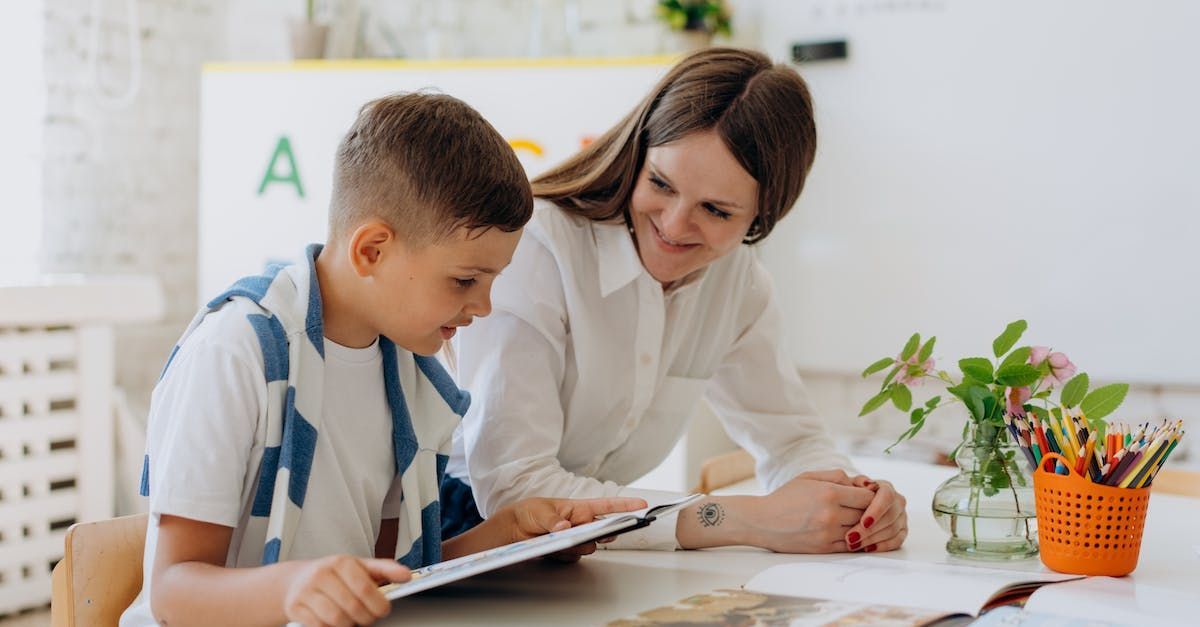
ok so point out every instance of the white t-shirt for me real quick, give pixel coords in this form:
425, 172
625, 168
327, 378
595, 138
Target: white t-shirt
206, 434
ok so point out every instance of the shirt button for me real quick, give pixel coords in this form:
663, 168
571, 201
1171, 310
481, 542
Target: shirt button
646, 359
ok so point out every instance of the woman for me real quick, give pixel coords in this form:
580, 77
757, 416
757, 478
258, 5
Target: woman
634, 293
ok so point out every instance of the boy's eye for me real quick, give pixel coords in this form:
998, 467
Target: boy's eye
464, 283
711, 208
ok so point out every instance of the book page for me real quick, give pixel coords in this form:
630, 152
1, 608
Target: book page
738, 608
943, 587
1009, 616
441, 573
1118, 600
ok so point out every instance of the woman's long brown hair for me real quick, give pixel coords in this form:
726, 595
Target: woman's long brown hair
762, 111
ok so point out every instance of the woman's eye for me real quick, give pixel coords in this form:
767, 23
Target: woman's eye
659, 183
464, 283
724, 215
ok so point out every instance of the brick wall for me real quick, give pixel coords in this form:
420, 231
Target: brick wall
119, 178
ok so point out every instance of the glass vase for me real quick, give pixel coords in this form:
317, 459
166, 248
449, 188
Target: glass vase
988, 507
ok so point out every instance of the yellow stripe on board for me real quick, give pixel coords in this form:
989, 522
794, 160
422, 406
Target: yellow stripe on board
343, 65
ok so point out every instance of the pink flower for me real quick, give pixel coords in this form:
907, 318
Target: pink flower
1061, 368
1016, 398
913, 373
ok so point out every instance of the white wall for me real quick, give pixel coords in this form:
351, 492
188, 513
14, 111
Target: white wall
120, 186
21, 147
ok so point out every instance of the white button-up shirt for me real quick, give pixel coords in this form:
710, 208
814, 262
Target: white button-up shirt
587, 373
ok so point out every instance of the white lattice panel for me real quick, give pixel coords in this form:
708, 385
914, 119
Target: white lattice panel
56, 421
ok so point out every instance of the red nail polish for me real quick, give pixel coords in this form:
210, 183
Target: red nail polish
868, 521
854, 546
853, 538
871, 549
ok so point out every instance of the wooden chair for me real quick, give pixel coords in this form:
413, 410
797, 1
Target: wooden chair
1181, 482
100, 573
725, 470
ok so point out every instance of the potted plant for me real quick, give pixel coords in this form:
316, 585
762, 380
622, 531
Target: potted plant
307, 36
693, 23
988, 508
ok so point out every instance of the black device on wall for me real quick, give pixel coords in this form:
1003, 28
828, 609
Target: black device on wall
804, 52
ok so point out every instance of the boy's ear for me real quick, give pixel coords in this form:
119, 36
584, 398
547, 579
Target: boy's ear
368, 245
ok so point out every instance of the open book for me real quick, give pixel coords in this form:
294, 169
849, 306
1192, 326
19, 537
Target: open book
460, 568
874, 590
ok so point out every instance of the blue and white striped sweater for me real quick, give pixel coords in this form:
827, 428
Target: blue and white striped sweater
425, 403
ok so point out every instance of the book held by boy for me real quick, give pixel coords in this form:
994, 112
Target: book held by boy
442, 573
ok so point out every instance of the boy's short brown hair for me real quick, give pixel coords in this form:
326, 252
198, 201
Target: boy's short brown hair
427, 164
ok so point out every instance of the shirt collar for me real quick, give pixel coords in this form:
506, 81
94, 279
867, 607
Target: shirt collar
618, 259
619, 263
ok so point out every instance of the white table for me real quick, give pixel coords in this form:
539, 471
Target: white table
615, 584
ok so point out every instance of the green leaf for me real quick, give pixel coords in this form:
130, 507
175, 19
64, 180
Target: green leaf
876, 402
1019, 356
926, 350
931, 403
999, 478
1043, 395
916, 416
902, 397
974, 401
1074, 391
978, 368
1009, 338
891, 375
1017, 375
1103, 401
993, 410
877, 366
911, 347
906, 435
1040, 412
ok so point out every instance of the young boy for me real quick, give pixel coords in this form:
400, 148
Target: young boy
272, 478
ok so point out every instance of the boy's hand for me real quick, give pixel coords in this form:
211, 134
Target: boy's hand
341, 590
533, 517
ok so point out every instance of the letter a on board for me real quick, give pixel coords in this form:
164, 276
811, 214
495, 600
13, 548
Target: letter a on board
282, 149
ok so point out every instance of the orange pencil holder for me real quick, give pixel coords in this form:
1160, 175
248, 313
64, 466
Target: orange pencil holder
1086, 528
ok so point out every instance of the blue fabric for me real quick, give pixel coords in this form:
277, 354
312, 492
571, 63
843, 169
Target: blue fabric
458, 400
459, 513
272, 339
170, 358
251, 287
424, 552
314, 320
144, 489
404, 438
266, 482
299, 445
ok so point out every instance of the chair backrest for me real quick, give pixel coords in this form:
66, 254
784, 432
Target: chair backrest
724, 470
100, 573
1181, 482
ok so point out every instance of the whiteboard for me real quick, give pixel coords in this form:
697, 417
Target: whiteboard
981, 162
545, 108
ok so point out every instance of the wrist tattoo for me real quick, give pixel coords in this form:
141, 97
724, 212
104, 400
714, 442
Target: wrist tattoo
711, 514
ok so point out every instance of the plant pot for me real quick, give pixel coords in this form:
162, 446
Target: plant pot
685, 41
988, 507
307, 38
